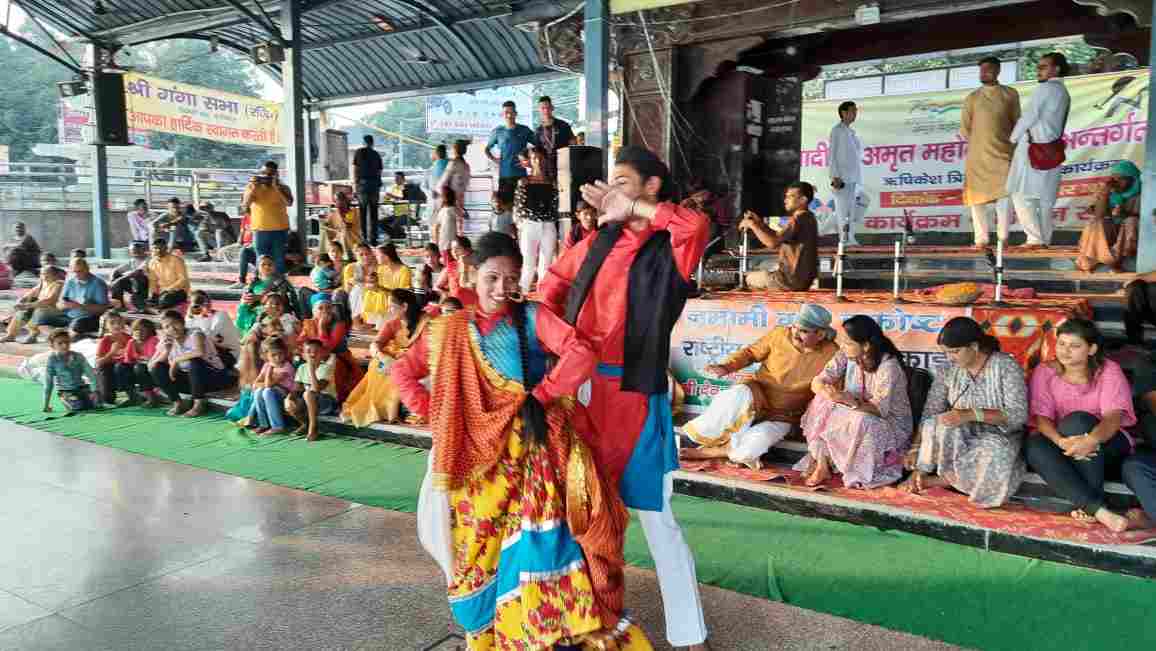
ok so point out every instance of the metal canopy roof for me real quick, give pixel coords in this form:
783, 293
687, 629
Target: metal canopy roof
346, 54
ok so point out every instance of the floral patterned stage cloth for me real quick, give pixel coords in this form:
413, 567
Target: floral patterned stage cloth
943, 503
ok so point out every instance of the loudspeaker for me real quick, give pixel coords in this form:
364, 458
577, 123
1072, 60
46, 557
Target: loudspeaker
109, 109
576, 165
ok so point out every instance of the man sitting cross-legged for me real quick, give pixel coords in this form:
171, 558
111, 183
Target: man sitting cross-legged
744, 421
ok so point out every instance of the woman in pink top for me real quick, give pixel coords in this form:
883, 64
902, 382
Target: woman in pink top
1080, 403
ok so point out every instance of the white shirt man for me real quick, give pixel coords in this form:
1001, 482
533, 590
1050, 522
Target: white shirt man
845, 165
1034, 191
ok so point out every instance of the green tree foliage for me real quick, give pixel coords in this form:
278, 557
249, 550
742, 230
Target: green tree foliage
28, 95
192, 62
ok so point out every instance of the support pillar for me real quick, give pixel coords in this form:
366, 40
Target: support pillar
1146, 255
596, 67
296, 157
101, 236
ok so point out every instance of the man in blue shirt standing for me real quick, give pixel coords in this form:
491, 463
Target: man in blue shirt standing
512, 139
82, 300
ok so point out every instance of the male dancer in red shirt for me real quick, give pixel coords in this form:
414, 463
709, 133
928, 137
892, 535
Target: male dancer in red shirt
624, 288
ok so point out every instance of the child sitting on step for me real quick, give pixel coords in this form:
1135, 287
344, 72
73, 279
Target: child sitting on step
65, 373
273, 384
113, 339
315, 394
132, 370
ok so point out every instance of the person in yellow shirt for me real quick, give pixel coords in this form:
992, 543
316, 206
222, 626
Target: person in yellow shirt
267, 202
168, 277
392, 273
743, 422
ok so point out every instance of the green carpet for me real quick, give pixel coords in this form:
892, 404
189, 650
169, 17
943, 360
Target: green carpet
901, 581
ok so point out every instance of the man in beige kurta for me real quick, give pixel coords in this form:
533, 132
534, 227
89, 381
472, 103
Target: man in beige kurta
989, 115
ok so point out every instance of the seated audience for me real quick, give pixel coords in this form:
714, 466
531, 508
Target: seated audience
325, 276
140, 223
342, 225
186, 360
1110, 237
214, 230
268, 282
22, 252
973, 420
376, 398
65, 373
353, 276
83, 299
132, 370
392, 273
174, 226
1140, 306
168, 277
745, 421
1080, 403
113, 341
1139, 469
584, 223
273, 384
502, 217
860, 419
216, 325
797, 243
132, 278
43, 297
333, 333
369, 304
276, 306
77, 254
315, 393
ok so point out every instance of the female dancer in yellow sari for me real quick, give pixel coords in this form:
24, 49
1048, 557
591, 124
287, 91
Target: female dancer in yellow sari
512, 508
375, 399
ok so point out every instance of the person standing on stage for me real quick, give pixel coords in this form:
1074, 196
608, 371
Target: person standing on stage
553, 133
367, 168
1034, 191
511, 140
989, 114
624, 288
845, 164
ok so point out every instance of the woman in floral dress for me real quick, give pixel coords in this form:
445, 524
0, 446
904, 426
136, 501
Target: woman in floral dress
973, 420
860, 419
512, 508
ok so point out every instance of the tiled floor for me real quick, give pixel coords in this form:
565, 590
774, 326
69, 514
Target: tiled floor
104, 549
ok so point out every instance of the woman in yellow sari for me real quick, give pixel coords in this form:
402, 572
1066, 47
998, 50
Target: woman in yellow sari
375, 399
512, 508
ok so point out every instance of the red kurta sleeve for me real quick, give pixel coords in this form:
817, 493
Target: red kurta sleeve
576, 357
407, 373
689, 234
555, 287
387, 333
335, 336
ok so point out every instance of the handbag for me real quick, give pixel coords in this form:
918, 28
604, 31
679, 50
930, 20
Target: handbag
1046, 155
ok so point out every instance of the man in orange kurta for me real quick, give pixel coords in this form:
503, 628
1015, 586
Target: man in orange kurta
744, 421
989, 115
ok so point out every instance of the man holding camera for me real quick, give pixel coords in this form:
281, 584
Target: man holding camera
267, 201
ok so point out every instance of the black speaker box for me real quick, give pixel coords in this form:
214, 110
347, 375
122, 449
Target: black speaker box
109, 109
576, 165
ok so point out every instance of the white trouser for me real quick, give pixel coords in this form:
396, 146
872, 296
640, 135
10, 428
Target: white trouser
538, 241
1035, 217
981, 219
730, 411
674, 565
847, 208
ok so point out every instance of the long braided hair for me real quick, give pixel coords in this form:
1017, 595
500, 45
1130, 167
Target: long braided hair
496, 244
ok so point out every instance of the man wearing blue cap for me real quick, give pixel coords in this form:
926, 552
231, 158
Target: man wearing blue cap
743, 422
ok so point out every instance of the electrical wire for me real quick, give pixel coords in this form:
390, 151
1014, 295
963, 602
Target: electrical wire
48, 34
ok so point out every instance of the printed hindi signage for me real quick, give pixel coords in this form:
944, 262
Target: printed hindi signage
711, 330
913, 159
156, 104
474, 114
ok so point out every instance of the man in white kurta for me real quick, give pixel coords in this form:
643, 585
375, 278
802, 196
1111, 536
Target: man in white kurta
845, 165
1034, 191
989, 114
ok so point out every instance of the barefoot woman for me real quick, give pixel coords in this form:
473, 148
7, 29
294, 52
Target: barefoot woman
506, 510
